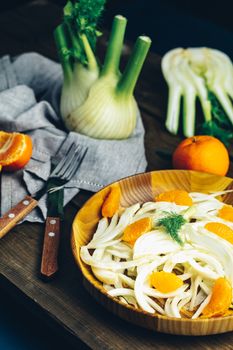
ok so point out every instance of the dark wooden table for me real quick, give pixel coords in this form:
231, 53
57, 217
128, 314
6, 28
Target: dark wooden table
63, 303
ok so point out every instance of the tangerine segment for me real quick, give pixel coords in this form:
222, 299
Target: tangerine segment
15, 150
112, 202
220, 300
133, 231
226, 213
179, 197
165, 282
220, 230
229, 312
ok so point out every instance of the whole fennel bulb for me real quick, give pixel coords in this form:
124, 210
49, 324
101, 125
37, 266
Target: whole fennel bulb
98, 101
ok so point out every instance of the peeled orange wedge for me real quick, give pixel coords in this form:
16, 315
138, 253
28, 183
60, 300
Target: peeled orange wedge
220, 300
226, 213
112, 202
179, 197
133, 231
165, 282
220, 230
15, 150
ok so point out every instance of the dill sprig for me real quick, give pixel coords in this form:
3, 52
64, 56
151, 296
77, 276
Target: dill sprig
172, 224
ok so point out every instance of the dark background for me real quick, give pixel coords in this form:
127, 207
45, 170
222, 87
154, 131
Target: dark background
219, 12
170, 23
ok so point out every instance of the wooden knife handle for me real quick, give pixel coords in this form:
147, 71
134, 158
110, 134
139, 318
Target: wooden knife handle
49, 265
15, 214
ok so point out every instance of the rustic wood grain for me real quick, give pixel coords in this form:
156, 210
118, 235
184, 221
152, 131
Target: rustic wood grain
49, 263
15, 214
64, 302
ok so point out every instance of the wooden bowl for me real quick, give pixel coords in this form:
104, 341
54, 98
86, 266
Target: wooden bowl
142, 188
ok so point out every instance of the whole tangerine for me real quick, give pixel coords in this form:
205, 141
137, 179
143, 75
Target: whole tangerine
202, 153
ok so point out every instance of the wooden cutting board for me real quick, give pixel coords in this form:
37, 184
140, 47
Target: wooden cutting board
63, 303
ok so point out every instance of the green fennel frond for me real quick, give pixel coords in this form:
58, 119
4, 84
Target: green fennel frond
89, 11
219, 125
87, 14
81, 18
217, 111
172, 224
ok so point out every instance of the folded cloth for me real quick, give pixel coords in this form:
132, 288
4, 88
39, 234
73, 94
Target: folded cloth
30, 87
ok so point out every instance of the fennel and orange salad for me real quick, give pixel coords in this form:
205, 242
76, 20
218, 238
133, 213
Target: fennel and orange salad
172, 256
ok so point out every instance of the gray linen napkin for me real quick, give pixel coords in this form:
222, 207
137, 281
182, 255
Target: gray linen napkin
30, 86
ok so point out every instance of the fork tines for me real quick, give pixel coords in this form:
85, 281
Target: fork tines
67, 167
79, 156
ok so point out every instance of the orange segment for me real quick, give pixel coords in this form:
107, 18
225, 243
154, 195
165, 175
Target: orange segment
112, 202
178, 197
226, 213
15, 150
229, 312
165, 282
136, 229
220, 300
220, 230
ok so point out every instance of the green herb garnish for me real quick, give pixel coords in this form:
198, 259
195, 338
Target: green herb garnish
172, 224
219, 125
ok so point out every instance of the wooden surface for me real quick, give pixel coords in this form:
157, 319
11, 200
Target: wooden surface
63, 303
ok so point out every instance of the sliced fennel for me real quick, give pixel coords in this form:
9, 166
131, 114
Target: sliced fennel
97, 100
192, 73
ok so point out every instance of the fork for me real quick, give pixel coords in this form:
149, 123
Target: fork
58, 178
64, 171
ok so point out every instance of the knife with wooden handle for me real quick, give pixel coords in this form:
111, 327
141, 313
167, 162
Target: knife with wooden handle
17, 213
55, 202
22, 209
49, 260
49, 263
